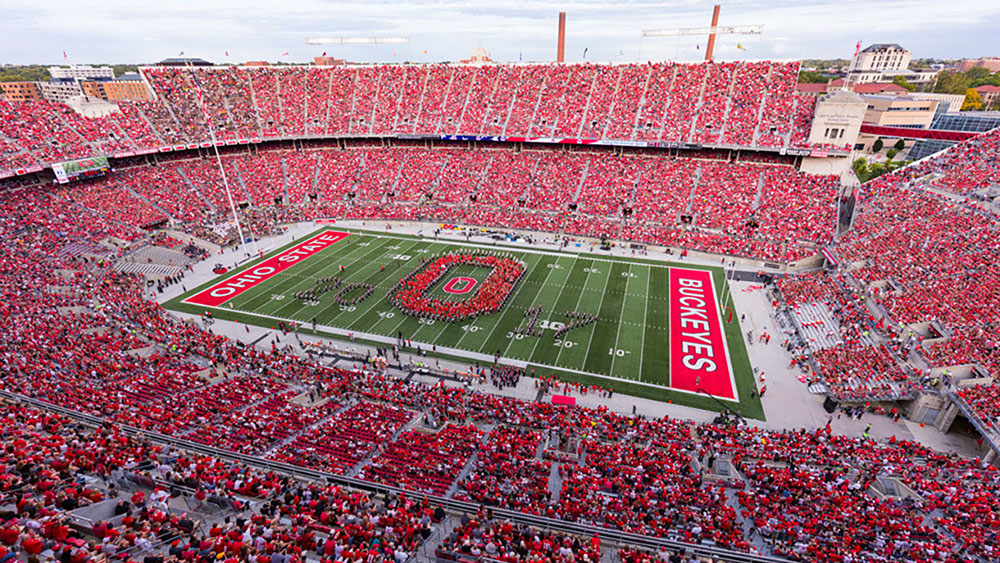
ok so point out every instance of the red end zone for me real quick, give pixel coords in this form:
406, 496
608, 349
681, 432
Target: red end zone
251, 277
699, 357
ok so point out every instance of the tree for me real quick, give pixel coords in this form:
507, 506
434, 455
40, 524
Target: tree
900, 145
121, 69
900, 80
813, 77
951, 83
29, 73
877, 147
891, 153
977, 75
860, 167
973, 101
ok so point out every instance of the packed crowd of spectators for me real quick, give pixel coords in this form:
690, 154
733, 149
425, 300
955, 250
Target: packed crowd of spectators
742, 103
484, 538
74, 333
923, 257
770, 211
627, 473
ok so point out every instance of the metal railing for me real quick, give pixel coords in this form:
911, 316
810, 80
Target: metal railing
581, 529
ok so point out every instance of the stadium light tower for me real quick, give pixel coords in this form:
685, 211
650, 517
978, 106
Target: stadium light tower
711, 31
376, 41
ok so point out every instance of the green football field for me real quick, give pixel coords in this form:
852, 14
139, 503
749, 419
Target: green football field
627, 348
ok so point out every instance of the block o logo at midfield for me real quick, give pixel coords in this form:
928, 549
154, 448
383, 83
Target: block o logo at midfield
410, 294
460, 285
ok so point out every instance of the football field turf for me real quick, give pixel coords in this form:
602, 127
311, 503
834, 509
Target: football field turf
645, 341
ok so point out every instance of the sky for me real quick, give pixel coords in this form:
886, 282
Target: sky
88, 31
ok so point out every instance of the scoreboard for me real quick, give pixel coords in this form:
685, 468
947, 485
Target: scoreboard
78, 169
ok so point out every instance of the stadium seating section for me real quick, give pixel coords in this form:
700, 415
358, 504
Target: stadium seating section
923, 249
77, 334
744, 104
571, 193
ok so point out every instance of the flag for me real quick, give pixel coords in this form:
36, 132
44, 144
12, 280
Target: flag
520, 56
181, 54
201, 100
740, 47
621, 52
285, 54
585, 49
324, 54
857, 48
227, 53
394, 53
425, 51
698, 47
64, 55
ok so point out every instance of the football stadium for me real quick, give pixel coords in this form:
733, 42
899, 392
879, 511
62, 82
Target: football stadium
724, 306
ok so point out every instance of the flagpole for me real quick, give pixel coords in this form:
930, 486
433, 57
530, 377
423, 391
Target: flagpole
218, 160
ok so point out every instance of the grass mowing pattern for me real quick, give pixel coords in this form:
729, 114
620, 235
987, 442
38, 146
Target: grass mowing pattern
628, 344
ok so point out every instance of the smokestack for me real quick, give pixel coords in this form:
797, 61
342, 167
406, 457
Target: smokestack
561, 49
711, 33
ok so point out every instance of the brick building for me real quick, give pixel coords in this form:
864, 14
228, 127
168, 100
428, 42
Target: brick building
20, 91
126, 88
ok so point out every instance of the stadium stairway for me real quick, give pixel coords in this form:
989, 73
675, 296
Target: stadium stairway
818, 325
284, 178
583, 180
146, 269
187, 181
151, 254
151, 203
149, 125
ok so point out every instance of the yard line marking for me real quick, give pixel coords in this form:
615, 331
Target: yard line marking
512, 298
618, 333
517, 290
319, 274
570, 273
309, 281
431, 249
534, 301
593, 327
388, 278
645, 312
447, 325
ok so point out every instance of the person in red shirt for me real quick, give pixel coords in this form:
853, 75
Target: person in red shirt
32, 544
